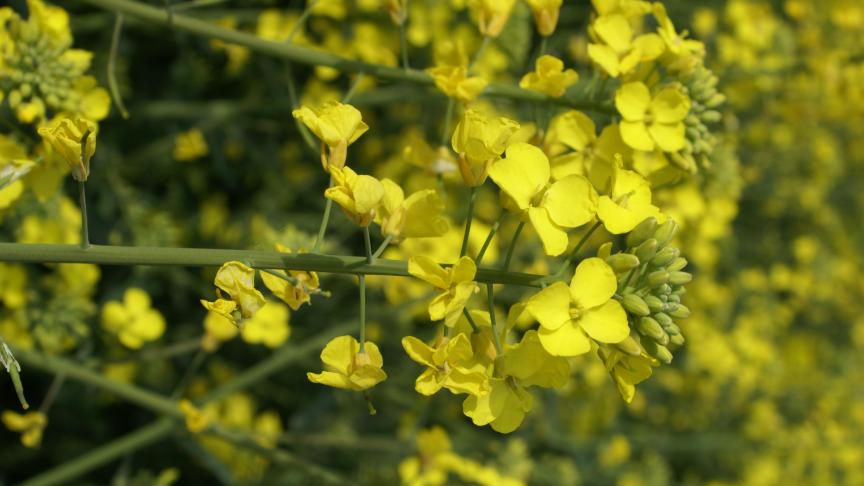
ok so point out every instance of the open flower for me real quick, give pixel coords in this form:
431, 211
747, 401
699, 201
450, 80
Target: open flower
570, 317
74, 140
346, 367
238, 281
269, 326
197, 420
31, 425
524, 176
549, 77
451, 73
503, 408
357, 195
480, 141
418, 216
449, 365
491, 15
456, 282
337, 125
628, 203
296, 292
650, 122
133, 321
616, 51
627, 371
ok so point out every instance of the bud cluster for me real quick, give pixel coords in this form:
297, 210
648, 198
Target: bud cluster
650, 286
700, 84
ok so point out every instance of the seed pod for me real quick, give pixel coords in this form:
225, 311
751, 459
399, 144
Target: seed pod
621, 262
658, 278
677, 264
647, 249
679, 278
664, 256
649, 327
665, 232
657, 350
635, 305
654, 303
629, 346
681, 312
676, 340
641, 232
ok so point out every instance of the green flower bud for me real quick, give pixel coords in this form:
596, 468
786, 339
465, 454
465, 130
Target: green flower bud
658, 278
676, 339
641, 232
663, 319
629, 346
665, 232
681, 312
605, 250
649, 327
674, 299
635, 305
672, 329
646, 250
664, 256
657, 350
621, 262
679, 278
677, 264
654, 303
665, 289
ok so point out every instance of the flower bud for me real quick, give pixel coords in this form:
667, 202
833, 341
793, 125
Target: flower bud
681, 312
646, 250
664, 256
657, 278
672, 329
665, 232
635, 305
657, 350
605, 250
654, 303
663, 319
621, 262
75, 141
629, 346
649, 327
677, 264
679, 278
676, 340
641, 232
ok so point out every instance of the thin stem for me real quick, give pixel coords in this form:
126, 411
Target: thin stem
301, 20
486, 243
512, 246
292, 96
575, 252
82, 201
325, 220
352, 90
190, 372
448, 118
112, 66
543, 45
362, 313
51, 394
470, 319
471, 197
490, 295
403, 43
382, 247
479, 53
367, 244
178, 7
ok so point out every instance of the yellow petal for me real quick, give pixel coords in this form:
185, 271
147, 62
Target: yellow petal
368, 193
670, 106
339, 353
567, 340
428, 270
571, 202
522, 174
328, 378
670, 138
635, 134
606, 58
614, 30
554, 238
463, 271
418, 351
607, 323
593, 283
551, 306
632, 101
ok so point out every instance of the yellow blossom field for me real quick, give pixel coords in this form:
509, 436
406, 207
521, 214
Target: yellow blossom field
432, 242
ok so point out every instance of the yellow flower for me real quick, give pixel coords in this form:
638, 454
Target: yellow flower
524, 176
480, 141
30, 425
294, 293
532, 365
337, 125
269, 326
196, 420
571, 317
218, 328
133, 321
491, 15
650, 122
627, 371
449, 365
617, 52
357, 195
451, 73
238, 281
549, 77
503, 408
190, 145
347, 367
418, 216
628, 204
545, 15
687, 52
74, 140
456, 282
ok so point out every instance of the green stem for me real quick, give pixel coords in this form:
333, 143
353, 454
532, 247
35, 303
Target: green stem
82, 201
543, 44
470, 320
112, 66
382, 247
302, 55
307, 136
352, 89
362, 313
301, 21
488, 241
448, 118
51, 394
367, 244
573, 254
471, 197
403, 44
325, 220
191, 370
211, 257
512, 246
179, 7
490, 295
479, 53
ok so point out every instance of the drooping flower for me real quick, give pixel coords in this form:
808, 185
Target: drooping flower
480, 141
650, 122
349, 368
524, 176
417, 216
626, 370
133, 321
238, 281
449, 365
571, 317
31, 425
269, 326
456, 283
296, 292
74, 140
190, 145
338, 125
357, 195
549, 77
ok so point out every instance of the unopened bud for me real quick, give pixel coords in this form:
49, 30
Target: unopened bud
663, 319
629, 346
621, 262
654, 303
605, 250
677, 264
635, 305
649, 327
658, 278
641, 232
679, 278
681, 312
665, 232
647, 250
664, 256
657, 350
676, 340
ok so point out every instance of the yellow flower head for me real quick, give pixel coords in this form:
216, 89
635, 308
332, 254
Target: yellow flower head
238, 281
524, 176
74, 140
190, 145
549, 77
449, 365
197, 421
456, 282
616, 51
357, 195
30, 425
269, 326
627, 371
337, 125
571, 317
349, 368
451, 73
133, 321
651, 122
545, 15
294, 293
491, 15
480, 141
628, 204
418, 216
503, 408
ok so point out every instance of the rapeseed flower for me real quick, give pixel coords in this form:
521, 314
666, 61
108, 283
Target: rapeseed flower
133, 321
348, 367
456, 283
338, 125
549, 77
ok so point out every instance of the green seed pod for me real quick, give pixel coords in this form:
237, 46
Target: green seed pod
657, 350
676, 340
665, 232
635, 305
647, 250
681, 312
677, 264
629, 346
654, 303
649, 327
621, 262
679, 278
641, 232
664, 256
658, 278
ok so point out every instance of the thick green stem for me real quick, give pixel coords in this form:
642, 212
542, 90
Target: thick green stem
471, 197
512, 246
367, 244
111, 68
302, 55
82, 201
362, 313
211, 257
